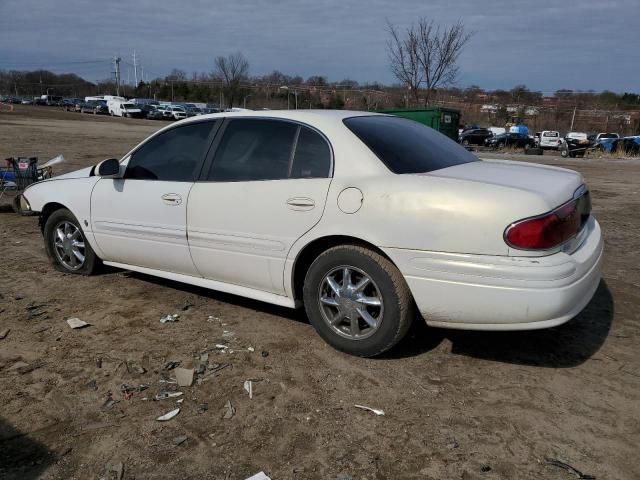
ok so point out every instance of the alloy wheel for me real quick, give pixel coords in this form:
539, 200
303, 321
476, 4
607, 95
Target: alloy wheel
351, 303
68, 245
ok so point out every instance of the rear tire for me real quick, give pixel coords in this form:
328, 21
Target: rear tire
357, 316
67, 246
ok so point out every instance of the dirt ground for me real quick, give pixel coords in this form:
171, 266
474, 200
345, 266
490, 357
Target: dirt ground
463, 405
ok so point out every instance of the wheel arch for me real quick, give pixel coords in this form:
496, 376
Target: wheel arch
310, 252
47, 210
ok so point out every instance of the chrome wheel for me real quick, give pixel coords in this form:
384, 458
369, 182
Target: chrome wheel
351, 303
68, 245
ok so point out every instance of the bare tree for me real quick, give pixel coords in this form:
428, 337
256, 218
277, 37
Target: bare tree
427, 54
232, 70
403, 57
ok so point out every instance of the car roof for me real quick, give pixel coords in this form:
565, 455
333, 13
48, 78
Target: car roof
311, 117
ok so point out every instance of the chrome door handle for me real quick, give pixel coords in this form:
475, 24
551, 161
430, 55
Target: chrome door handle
301, 203
172, 199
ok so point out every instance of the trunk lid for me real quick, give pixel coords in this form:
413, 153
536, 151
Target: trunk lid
554, 185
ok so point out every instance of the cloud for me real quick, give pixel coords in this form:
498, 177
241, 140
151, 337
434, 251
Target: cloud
545, 45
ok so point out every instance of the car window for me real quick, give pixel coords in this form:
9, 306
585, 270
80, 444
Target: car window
312, 157
550, 134
267, 149
406, 146
174, 155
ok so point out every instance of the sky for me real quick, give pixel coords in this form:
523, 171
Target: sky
546, 45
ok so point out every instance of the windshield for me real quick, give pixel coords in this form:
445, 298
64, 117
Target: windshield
128, 106
406, 146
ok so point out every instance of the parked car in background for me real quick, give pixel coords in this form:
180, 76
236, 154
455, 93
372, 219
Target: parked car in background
101, 107
364, 219
155, 112
575, 144
475, 136
175, 112
69, 104
26, 101
516, 140
118, 108
51, 100
550, 140
88, 107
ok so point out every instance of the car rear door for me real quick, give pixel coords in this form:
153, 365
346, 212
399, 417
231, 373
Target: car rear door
263, 188
141, 219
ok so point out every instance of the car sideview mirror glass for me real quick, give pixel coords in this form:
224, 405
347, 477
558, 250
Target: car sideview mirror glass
109, 168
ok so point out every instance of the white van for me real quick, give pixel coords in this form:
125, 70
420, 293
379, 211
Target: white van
550, 140
118, 108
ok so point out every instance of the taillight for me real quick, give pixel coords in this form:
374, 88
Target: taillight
545, 231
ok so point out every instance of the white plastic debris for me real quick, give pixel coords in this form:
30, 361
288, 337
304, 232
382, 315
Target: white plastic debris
248, 386
54, 161
229, 410
251, 349
170, 318
165, 395
221, 347
374, 410
184, 376
76, 323
259, 476
168, 416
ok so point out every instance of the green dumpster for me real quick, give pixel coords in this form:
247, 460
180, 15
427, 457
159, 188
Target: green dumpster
442, 119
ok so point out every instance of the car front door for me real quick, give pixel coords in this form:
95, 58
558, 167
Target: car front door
141, 219
265, 186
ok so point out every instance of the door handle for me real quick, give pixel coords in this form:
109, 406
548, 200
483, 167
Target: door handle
172, 199
301, 203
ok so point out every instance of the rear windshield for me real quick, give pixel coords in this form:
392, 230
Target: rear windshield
406, 146
550, 134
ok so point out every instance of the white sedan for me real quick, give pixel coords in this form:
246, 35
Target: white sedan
365, 219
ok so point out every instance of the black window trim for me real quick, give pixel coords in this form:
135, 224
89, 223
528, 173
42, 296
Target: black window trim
208, 163
217, 124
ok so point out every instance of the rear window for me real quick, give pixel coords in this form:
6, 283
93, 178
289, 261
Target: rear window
550, 134
406, 146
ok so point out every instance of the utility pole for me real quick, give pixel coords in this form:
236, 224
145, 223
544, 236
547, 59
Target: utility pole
135, 68
116, 63
573, 118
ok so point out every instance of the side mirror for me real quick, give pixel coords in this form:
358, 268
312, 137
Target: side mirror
109, 168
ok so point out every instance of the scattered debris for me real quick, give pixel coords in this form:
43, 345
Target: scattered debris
259, 476
170, 365
42, 328
76, 323
485, 468
453, 443
135, 368
23, 367
374, 410
179, 440
202, 407
265, 354
92, 385
168, 416
248, 386
221, 347
184, 376
251, 349
4, 333
164, 380
569, 468
109, 402
128, 391
204, 357
165, 395
229, 410
99, 362
170, 318
116, 468
17, 366
187, 306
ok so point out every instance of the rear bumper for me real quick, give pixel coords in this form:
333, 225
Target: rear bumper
481, 292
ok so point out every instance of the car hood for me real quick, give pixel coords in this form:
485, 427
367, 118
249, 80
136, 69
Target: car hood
82, 173
553, 184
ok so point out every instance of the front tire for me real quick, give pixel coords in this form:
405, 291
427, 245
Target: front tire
357, 300
67, 246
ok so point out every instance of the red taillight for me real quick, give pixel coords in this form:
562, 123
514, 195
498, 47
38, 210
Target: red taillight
546, 231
